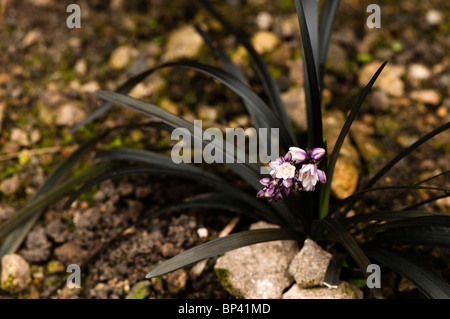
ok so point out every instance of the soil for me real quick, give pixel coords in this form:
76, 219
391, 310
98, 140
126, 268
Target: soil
108, 232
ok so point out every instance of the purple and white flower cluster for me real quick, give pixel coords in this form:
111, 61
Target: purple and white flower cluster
296, 170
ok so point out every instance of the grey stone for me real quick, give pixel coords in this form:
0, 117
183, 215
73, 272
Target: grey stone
287, 26
15, 275
184, 42
81, 67
265, 41
71, 253
208, 113
31, 38
295, 72
337, 58
294, 101
418, 72
20, 137
344, 290
176, 281
10, 185
390, 79
264, 20
6, 212
122, 57
258, 271
379, 100
88, 219
57, 231
38, 247
69, 114
434, 17
309, 266
426, 96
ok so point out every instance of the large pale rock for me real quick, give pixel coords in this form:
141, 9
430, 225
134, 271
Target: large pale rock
344, 290
310, 265
15, 275
258, 271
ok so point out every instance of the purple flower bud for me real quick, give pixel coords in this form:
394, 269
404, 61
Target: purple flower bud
265, 181
287, 157
321, 175
286, 191
286, 176
297, 154
287, 182
317, 153
278, 197
261, 193
269, 192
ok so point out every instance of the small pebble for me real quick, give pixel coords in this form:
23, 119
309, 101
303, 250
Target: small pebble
202, 232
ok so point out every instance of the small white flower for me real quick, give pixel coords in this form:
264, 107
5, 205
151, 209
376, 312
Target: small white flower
308, 176
274, 165
285, 171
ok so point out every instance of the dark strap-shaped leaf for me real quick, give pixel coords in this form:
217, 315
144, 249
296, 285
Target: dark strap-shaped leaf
312, 90
50, 196
348, 242
242, 169
232, 68
429, 200
383, 204
351, 247
159, 160
405, 152
262, 70
14, 239
399, 157
327, 18
213, 201
430, 284
333, 272
420, 235
379, 216
422, 221
340, 141
222, 245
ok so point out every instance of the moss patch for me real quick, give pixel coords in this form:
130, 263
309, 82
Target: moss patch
223, 275
8, 284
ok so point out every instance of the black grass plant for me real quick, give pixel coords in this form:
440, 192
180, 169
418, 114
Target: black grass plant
305, 170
